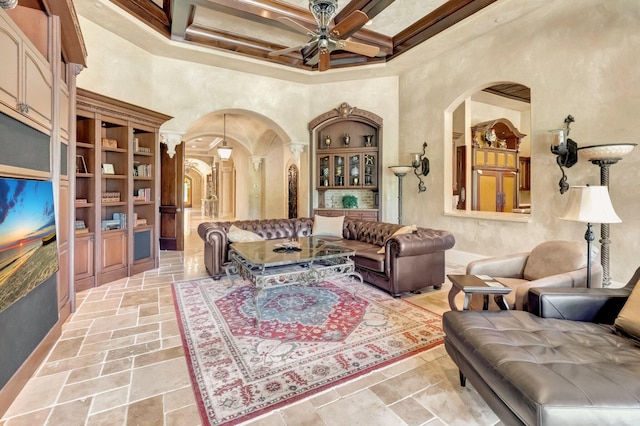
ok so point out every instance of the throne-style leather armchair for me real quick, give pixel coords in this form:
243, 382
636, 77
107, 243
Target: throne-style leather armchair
550, 264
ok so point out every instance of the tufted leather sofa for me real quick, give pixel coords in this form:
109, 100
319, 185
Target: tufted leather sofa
410, 262
554, 365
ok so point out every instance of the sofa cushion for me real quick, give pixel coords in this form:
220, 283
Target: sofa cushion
555, 257
325, 226
404, 230
628, 320
237, 235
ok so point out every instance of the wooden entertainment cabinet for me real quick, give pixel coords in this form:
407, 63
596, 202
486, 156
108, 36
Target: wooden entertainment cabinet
117, 187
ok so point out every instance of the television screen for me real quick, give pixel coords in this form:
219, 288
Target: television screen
28, 249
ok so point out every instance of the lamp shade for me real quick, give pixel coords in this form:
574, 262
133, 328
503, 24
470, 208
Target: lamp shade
401, 170
224, 152
590, 204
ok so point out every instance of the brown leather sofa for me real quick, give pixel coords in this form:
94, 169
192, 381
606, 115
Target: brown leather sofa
410, 262
555, 365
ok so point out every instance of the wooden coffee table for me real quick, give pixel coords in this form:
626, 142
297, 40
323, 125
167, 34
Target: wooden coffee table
477, 284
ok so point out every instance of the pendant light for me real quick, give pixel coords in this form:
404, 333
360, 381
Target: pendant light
224, 151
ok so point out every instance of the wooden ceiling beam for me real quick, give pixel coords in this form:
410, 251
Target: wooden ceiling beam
247, 46
148, 12
371, 7
447, 15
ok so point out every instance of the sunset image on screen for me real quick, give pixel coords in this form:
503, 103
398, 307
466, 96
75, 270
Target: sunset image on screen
28, 249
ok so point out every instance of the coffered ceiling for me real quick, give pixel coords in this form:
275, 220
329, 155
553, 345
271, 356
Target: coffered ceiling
251, 27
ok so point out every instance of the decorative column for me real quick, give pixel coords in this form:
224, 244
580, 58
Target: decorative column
296, 148
171, 139
604, 156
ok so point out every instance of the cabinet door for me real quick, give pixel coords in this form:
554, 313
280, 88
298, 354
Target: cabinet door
38, 89
10, 48
487, 185
339, 170
114, 250
324, 170
83, 261
509, 191
370, 170
355, 170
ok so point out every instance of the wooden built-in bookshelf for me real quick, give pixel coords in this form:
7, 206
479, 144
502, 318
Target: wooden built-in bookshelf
117, 189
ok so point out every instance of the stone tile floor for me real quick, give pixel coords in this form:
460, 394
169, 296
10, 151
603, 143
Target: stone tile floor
120, 361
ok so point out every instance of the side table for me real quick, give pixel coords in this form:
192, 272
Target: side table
474, 284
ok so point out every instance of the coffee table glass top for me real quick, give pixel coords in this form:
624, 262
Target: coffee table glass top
260, 253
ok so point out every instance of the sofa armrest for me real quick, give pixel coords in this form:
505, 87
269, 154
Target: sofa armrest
420, 242
510, 266
598, 305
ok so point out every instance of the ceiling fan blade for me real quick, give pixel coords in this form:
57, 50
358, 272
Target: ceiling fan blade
287, 50
359, 48
295, 26
350, 24
325, 61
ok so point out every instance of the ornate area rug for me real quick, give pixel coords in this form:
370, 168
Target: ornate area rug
309, 338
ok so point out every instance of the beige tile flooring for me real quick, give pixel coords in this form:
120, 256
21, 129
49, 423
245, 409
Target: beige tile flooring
120, 361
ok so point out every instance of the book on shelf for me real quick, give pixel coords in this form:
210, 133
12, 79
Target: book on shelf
81, 201
143, 194
110, 197
142, 170
82, 231
80, 224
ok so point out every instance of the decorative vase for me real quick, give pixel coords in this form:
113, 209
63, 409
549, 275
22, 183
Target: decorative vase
346, 139
327, 141
367, 140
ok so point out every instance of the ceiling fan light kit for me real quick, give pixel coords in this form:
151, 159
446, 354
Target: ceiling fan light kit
325, 40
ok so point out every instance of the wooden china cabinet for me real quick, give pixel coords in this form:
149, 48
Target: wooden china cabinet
347, 144
495, 165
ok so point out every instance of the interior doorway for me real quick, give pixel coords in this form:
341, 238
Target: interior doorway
292, 180
188, 192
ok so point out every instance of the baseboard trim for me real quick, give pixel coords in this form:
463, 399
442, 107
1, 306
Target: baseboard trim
462, 258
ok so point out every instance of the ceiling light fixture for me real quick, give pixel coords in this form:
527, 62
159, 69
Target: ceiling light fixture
224, 151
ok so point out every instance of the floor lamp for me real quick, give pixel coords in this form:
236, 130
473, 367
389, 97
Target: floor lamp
604, 156
589, 204
400, 172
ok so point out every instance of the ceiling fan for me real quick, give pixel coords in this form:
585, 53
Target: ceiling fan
326, 40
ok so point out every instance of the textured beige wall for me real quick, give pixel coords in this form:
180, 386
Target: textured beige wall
579, 57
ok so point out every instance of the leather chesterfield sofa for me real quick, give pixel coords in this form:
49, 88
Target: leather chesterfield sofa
561, 363
410, 262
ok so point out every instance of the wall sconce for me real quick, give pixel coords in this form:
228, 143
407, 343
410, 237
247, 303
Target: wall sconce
420, 165
566, 151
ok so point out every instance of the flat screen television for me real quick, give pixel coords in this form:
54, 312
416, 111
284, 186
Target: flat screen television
28, 249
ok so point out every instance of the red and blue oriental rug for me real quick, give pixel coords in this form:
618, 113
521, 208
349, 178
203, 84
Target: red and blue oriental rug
309, 339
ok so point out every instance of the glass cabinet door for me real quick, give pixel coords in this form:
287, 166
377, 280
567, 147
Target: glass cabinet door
355, 170
338, 170
370, 170
323, 170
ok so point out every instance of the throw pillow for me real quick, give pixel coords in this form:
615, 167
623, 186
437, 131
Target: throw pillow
404, 230
628, 320
325, 226
237, 235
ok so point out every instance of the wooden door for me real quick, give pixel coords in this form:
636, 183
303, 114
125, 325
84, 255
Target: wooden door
171, 199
